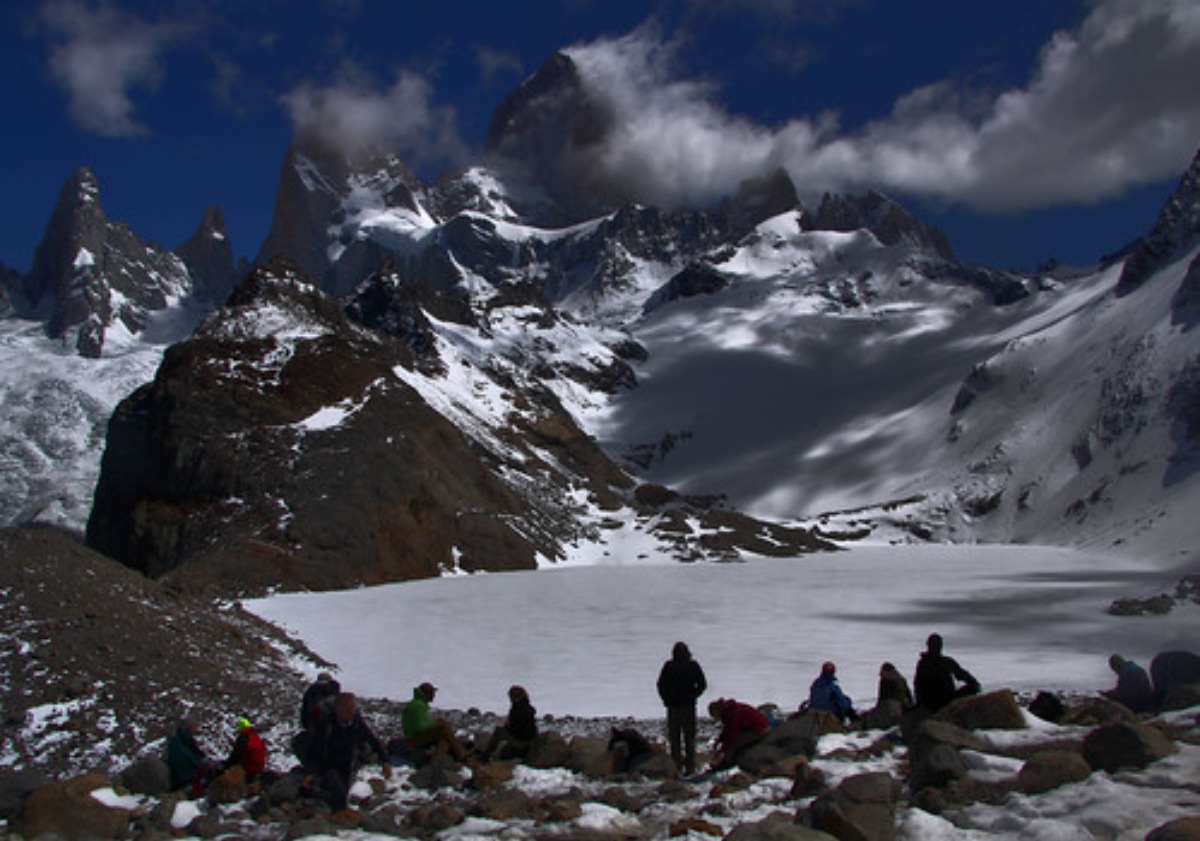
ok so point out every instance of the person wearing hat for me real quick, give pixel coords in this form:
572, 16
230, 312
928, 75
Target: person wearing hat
423, 731
1133, 687
827, 696
318, 701
248, 751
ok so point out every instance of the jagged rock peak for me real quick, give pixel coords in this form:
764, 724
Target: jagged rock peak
546, 131
890, 222
1176, 230
316, 183
208, 255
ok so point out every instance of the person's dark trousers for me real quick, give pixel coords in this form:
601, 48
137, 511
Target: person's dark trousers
336, 787
681, 732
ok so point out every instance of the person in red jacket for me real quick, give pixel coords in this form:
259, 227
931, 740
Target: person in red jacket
248, 751
741, 727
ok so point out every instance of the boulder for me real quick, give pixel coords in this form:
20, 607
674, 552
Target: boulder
436, 817
1050, 769
548, 750
994, 711
933, 732
937, 767
589, 756
685, 826
505, 804
67, 809
1093, 712
229, 787
439, 772
807, 781
15, 787
795, 737
776, 827
862, 808
1126, 745
656, 765
148, 775
1180, 829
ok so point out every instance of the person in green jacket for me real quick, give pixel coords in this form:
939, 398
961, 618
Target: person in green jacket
423, 731
186, 760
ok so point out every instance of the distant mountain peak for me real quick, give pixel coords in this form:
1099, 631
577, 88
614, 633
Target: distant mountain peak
208, 255
1176, 230
875, 212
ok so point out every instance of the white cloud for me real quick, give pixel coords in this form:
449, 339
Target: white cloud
1109, 106
102, 53
350, 115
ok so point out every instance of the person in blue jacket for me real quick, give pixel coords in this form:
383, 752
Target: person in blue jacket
827, 696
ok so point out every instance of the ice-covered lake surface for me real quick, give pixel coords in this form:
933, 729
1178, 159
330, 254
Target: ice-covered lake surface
590, 640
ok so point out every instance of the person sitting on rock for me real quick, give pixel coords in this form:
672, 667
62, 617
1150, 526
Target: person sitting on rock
248, 751
424, 732
187, 763
336, 751
1176, 678
939, 679
1133, 687
893, 700
825, 695
742, 726
513, 738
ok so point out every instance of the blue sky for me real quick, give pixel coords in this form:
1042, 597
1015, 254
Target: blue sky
1025, 130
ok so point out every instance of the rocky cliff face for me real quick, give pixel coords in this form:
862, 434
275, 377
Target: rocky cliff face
280, 445
94, 275
208, 256
1176, 230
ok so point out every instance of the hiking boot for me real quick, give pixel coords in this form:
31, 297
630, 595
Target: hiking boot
349, 818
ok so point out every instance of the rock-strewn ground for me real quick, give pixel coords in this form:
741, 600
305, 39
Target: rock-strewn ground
96, 663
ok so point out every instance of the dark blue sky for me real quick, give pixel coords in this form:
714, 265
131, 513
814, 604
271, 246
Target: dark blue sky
1024, 130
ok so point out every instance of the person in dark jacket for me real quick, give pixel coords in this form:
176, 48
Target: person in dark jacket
892, 701
742, 727
826, 695
513, 738
939, 679
337, 749
317, 702
681, 682
186, 761
248, 751
1133, 687
1171, 670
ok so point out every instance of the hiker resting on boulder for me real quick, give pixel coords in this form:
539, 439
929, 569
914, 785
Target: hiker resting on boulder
938, 676
187, 763
512, 739
742, 726
826, 695
423, 731
248, 751
893, 700
1133, 687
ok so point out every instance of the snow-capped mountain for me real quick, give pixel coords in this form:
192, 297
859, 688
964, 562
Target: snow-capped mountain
531, 370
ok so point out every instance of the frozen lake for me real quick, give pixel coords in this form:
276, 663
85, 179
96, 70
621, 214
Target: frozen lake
590, 640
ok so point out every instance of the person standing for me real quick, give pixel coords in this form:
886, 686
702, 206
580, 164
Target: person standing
939, 679
335, 753
681, 682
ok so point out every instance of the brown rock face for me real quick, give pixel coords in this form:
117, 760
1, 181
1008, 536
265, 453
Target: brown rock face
256, 459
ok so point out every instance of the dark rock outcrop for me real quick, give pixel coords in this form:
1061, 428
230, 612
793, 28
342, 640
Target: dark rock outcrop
208, 255
1176, 229
892, 224
279, 446
92, 274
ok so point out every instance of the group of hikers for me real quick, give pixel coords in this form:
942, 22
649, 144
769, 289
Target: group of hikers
334, 737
